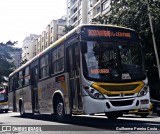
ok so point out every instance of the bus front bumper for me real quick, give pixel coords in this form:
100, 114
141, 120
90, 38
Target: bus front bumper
108, 105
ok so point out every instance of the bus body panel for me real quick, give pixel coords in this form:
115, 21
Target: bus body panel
19, 98
47, 90
27, 99
10, 100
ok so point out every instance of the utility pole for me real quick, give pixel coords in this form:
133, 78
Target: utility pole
153, 38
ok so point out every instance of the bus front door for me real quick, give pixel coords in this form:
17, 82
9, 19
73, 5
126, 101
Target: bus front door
74, 78
34, 82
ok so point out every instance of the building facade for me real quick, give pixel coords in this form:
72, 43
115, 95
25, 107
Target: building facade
83, 11
28, 48
17, 57
76, 12
53, 32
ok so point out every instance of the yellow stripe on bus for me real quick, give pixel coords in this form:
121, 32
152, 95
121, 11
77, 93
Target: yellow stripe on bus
97, 85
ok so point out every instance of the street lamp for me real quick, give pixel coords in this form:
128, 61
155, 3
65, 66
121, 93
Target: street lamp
153, 39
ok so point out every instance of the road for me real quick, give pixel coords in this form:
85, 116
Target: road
78, 124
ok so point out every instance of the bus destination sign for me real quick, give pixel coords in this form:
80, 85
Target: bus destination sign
108, 33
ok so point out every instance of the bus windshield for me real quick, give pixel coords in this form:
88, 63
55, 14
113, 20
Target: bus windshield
113, 61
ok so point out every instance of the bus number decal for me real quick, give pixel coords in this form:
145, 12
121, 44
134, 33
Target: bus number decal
60, 78
99, 71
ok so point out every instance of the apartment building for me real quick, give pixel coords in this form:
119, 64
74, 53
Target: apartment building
53, 32
61, 23
43, 40
83, 11
28, 48
76, 12
17, 57
57, 29
47, 40
38, 45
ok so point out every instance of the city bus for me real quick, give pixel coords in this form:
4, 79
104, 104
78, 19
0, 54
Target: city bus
4, 98
92, 69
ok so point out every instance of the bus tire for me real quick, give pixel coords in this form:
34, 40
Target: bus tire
59, 110
144, 115
21, 109
158, 113
6, 111
113, 115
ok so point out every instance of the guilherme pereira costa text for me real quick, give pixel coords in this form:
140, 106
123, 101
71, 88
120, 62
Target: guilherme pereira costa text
30, 128
145, 128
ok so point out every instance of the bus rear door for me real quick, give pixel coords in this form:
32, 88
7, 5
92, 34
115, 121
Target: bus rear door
34, 85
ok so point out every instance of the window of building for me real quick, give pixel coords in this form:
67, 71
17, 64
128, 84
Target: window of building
46, 35
52, 39
75, 19
58, 60
106, 4
44, 67
51, 29
75, 10
98, 9
46, 44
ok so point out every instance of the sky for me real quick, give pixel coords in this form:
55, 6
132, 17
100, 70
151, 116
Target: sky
20, 18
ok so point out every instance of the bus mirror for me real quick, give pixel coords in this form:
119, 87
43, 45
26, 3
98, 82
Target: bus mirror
83, 47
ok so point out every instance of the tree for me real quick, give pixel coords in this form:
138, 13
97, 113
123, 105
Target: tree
6, 64
23, 61
68, 28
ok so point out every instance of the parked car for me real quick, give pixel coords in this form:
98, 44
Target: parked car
142, 112
156, 106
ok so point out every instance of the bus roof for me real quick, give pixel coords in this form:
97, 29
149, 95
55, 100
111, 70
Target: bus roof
63, 38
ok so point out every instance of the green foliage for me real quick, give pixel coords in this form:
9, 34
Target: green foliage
6, 64
68, 28
24, 61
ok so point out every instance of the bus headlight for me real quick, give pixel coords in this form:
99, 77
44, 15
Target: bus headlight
143, 91
94, 93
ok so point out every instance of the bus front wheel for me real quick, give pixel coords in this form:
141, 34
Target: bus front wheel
59, 110
144, 115
113, 115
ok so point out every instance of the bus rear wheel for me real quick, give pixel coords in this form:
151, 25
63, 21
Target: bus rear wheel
59, 110
21, 110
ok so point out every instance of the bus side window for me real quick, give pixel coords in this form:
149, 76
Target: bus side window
77, 60
11, 84
20, 79
71, 66
27, 76
44, 66
57, 60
